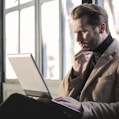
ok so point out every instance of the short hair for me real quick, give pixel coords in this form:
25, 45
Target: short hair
95, 14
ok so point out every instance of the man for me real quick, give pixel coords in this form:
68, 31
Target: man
92, 84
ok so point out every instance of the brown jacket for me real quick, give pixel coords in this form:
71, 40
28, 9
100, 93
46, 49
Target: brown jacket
100, 94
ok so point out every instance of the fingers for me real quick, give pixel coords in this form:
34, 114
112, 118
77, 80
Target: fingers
69, 101
83, 53
83, 50
80, 59
65, 99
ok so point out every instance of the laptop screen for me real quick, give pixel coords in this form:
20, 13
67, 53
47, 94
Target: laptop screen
28, 74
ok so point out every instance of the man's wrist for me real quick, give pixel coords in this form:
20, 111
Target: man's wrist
74, 73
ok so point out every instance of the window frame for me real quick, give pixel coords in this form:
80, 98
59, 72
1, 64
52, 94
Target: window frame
38, 39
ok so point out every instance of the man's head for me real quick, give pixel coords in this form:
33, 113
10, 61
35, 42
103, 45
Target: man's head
90, 23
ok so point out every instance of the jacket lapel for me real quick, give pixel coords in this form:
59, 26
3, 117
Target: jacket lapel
100, 66
102, 63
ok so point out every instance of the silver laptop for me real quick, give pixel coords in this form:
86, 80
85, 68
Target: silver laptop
31, 79
28, 74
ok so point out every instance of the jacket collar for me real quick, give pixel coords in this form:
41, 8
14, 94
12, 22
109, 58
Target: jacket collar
104, 45
110, 53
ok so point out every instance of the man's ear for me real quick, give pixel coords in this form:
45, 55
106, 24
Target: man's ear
102, 27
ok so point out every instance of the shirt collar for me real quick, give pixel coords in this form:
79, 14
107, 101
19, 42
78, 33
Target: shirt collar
101, 48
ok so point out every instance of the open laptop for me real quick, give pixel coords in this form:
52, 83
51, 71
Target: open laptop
31, 79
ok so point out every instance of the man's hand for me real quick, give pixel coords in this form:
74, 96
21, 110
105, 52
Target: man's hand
69, 101
79, 60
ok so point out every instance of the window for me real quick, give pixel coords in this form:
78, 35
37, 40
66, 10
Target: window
50, 38
70, 46
112, 8
11, 38
27, 29
19, 29
10, 3
40, 27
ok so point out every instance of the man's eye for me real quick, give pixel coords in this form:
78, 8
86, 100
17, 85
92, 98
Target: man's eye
83, 31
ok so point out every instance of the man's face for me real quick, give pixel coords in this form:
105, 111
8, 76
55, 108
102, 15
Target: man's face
86, 35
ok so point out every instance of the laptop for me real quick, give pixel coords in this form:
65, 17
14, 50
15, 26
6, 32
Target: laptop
32, 81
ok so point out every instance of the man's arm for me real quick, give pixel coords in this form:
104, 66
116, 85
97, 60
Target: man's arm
94, 110
71, 85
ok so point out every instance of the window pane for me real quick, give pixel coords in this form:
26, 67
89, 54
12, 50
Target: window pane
27, 40
50, 36
71, 46
10, 3
24, 1
11, 40
12, 32
112, 8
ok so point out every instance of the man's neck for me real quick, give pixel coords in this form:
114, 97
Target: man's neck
103, 46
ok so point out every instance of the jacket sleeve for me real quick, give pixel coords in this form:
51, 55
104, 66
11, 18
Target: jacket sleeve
70, 87
100, 110
93, 110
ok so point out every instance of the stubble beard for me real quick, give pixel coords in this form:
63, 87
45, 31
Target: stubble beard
94, 42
